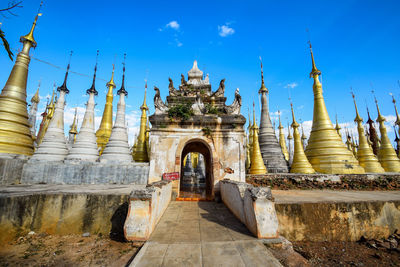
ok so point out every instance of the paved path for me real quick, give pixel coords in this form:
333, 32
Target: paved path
202, 234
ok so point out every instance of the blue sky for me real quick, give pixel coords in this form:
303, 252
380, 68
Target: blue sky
356, 44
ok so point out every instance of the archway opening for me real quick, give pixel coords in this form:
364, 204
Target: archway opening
196, 179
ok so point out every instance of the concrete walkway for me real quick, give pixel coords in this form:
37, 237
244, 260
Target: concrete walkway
202, 234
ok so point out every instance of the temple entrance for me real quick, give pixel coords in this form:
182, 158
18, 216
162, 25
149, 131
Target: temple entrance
196, 172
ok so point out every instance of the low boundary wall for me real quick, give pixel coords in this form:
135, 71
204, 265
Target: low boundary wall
146, 206
253, 206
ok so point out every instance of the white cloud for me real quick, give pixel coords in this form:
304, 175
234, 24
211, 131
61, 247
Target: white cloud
291, 85
173, 25
225, 30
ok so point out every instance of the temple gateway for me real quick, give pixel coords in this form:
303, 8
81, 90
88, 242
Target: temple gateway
196, 119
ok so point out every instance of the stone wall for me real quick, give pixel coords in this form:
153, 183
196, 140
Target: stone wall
344, 221
59, 213
84, 173
253, 206
11, 170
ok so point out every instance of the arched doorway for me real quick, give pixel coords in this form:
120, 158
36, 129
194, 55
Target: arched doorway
192, 184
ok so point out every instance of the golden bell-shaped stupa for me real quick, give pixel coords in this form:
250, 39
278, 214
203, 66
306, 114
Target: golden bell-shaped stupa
140, 153
282, 140
365, 155
104, 131
386, 154
257, 163
15, 134
300, 163
325, 150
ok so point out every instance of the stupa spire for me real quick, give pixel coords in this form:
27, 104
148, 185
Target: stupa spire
141, 146
49, 116
337, 128
15, 133
282, 140
303, 137
397, 122
117, 148
325, 150
104, 131
85, 147
270, 149
73, 129
387, 155
54, 147
257, 163
300, 163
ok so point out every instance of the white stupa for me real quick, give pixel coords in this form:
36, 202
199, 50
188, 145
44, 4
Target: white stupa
53, 146
117, 148
85, 146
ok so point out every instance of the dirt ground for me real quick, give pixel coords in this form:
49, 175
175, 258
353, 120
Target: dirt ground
69, 250
329, 254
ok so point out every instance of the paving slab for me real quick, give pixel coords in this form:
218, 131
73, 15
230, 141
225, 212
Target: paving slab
202, 234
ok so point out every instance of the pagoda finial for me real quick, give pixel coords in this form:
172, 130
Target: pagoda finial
294, 123
111, 82
397, 122
29, 36
74, 129
63, 87
36, 98
358, 117
254, 116
122, 89
314, 70
92, 89
144, 105
380, 117
263, 88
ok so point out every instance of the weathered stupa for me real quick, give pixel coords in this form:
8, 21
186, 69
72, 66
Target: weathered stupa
117, 148
365, 155
85, 147
257, 162
15, 134
53, 146
32, 113
373, 135
325, 150
104, 131
386, 154
300, 162
270, 149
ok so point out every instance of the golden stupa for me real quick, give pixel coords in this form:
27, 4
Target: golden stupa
248, 157
282, 140
257, 163
289, 139
303, 138
15, 134
365, 155
386, 154
104, 131
300, 163
325, 150
337, 128
50, 108
140, 153
74, 129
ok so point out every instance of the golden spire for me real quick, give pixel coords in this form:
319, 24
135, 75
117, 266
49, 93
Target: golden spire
29, 36
105, 129
337, 128
73, 129
248, 154
257, 163
49, 114
15, 133
141, 154
263, 88
397, 122
36, 98
387, 155
325, 150
365, 155
282, 141
300, 162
